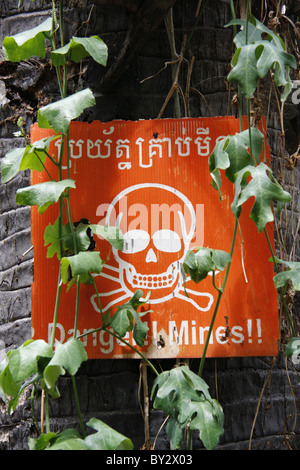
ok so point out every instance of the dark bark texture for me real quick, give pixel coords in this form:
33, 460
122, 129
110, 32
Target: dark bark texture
139, 49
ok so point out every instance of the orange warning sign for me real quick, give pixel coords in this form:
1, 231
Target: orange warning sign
151, 178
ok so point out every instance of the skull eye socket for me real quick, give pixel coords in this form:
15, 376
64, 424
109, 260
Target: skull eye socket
167, 240
135, 241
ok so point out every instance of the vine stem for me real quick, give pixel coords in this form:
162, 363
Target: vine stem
240, 103
59, 164
63, 85
19, 124
59, 284
32, 398
220, 293
47, 410
248, 100
98, 298
77, 307
134, 349
42, 410
110, 332
221, 290
283, 289
114, 334
55, 316
78, 405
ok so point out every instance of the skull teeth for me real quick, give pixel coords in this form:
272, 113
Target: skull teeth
151, 281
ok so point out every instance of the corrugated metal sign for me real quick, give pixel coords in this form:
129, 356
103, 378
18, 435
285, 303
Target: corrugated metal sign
152, 179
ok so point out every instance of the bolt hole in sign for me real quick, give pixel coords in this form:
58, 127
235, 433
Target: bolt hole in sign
151, 178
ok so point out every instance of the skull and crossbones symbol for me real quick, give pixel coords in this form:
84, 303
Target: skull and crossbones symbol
155, 244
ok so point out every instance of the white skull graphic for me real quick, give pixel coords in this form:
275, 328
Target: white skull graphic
158, 223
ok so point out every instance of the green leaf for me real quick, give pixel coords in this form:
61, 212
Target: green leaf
232, 155
51, 237
112, 234
127, 319
264, 188
29, 43
59, 114
79, 48
43, 194
174, 431
220, 259
206, 260
3, 365
292, 275
23, 361
274, 58
67, 357
83, 263
51, 374
35, 154
198, 264
122, 321
106, 438
218, 160
69, 444
185, 397
263, 50
30, 157
8, 385
82, 238
206, 422
174, 392
253, 61
244, 71
10, 164
292, 349
21, 364
42, 442
69, 439
256, 32
243, 138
